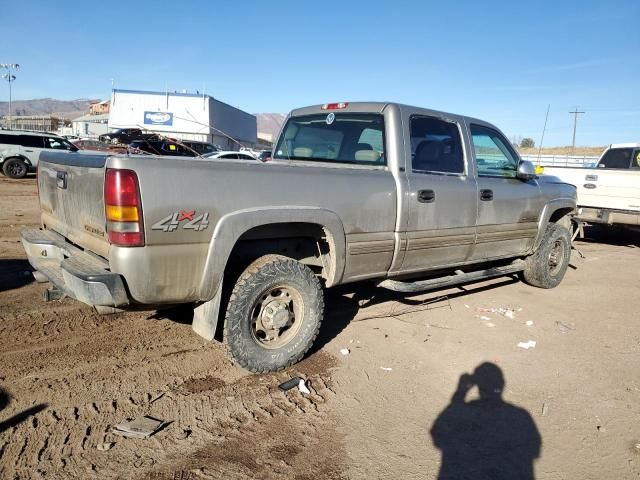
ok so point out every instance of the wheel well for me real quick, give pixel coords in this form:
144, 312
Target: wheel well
562, 217
308, 243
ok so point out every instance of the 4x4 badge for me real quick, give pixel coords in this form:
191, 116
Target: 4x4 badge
172, 222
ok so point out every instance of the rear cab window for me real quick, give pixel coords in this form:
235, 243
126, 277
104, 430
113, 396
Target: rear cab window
494, 155
351, 138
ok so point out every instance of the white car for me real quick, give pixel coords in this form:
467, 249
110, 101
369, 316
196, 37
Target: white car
20, 150
231, 155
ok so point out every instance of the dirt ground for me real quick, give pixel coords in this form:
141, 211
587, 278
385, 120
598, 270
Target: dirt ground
393, 408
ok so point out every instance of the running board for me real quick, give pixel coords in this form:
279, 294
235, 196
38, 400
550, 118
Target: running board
456, 279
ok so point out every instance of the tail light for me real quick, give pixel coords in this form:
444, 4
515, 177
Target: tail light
123, 208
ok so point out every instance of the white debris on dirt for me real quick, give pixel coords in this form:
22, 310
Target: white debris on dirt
528, 323
485, 318
386, 369
504, 311
489, 324
103, 447
527, 345
302, 386
345, 351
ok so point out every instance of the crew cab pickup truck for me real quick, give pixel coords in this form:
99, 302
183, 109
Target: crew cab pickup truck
608, 193
409, 198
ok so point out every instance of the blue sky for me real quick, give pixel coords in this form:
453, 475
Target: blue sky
499, 61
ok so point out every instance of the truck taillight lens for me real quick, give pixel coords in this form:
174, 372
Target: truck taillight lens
123, 208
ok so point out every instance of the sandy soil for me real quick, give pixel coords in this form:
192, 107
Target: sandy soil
570, 407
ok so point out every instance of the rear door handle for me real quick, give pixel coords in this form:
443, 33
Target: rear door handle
486, 195
426, 196
28, 150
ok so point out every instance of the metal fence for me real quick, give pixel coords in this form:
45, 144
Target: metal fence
580, 161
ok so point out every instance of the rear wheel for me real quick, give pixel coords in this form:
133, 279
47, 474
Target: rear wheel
274, 314
547, 266
15, 168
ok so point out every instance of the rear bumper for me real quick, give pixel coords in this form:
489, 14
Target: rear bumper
608, 216
78, 274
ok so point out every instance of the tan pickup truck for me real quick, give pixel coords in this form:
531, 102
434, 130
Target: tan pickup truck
406, 197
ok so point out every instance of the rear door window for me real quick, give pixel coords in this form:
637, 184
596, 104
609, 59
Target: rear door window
435, 146
334, 138
494, 156
616, 158
635, 159
31, 141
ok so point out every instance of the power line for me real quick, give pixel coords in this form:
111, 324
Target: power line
575, 121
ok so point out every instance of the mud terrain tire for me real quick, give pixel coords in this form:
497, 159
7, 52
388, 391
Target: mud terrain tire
547, 266
273, 315
15, 168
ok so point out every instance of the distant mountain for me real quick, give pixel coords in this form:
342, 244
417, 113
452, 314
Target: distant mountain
68, 109
270, 123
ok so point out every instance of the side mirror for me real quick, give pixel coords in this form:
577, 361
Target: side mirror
526, 171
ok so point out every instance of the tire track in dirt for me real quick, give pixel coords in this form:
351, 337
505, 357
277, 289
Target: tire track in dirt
62, 442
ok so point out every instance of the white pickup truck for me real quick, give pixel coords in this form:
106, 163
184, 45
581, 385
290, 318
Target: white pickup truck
609, 193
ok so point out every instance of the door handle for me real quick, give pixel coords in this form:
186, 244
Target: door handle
426, 196
486, 195
28, 150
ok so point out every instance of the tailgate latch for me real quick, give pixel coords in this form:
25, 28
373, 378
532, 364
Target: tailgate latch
61, 178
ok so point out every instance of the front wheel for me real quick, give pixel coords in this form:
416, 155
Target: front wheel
274, 314
547, 266
15, 168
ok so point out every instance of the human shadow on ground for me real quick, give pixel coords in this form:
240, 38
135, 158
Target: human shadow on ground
487, 438
18, 418
14, 273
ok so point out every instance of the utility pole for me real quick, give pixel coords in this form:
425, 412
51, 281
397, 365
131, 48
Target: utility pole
575, 121
10, 78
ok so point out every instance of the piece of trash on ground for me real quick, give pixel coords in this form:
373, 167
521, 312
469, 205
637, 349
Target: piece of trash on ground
103, 447
489, 324
528, 323
544, 409
302, 386
386, 369
485, 318
563, 327
345, 351
527, 345
141, 427
289, 384
505, 312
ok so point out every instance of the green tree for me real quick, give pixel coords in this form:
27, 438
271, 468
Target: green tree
527, 143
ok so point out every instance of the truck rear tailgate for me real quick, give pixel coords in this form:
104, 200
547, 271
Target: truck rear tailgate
71, 188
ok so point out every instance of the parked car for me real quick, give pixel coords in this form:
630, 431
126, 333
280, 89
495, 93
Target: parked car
125, 136
608, 193
19, 150
231, 155
183, 148
264, 156
407, 197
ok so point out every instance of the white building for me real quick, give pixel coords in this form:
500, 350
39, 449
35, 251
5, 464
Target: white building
90, 125
183, 115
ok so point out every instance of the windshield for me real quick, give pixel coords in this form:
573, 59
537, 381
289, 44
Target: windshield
334, 137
